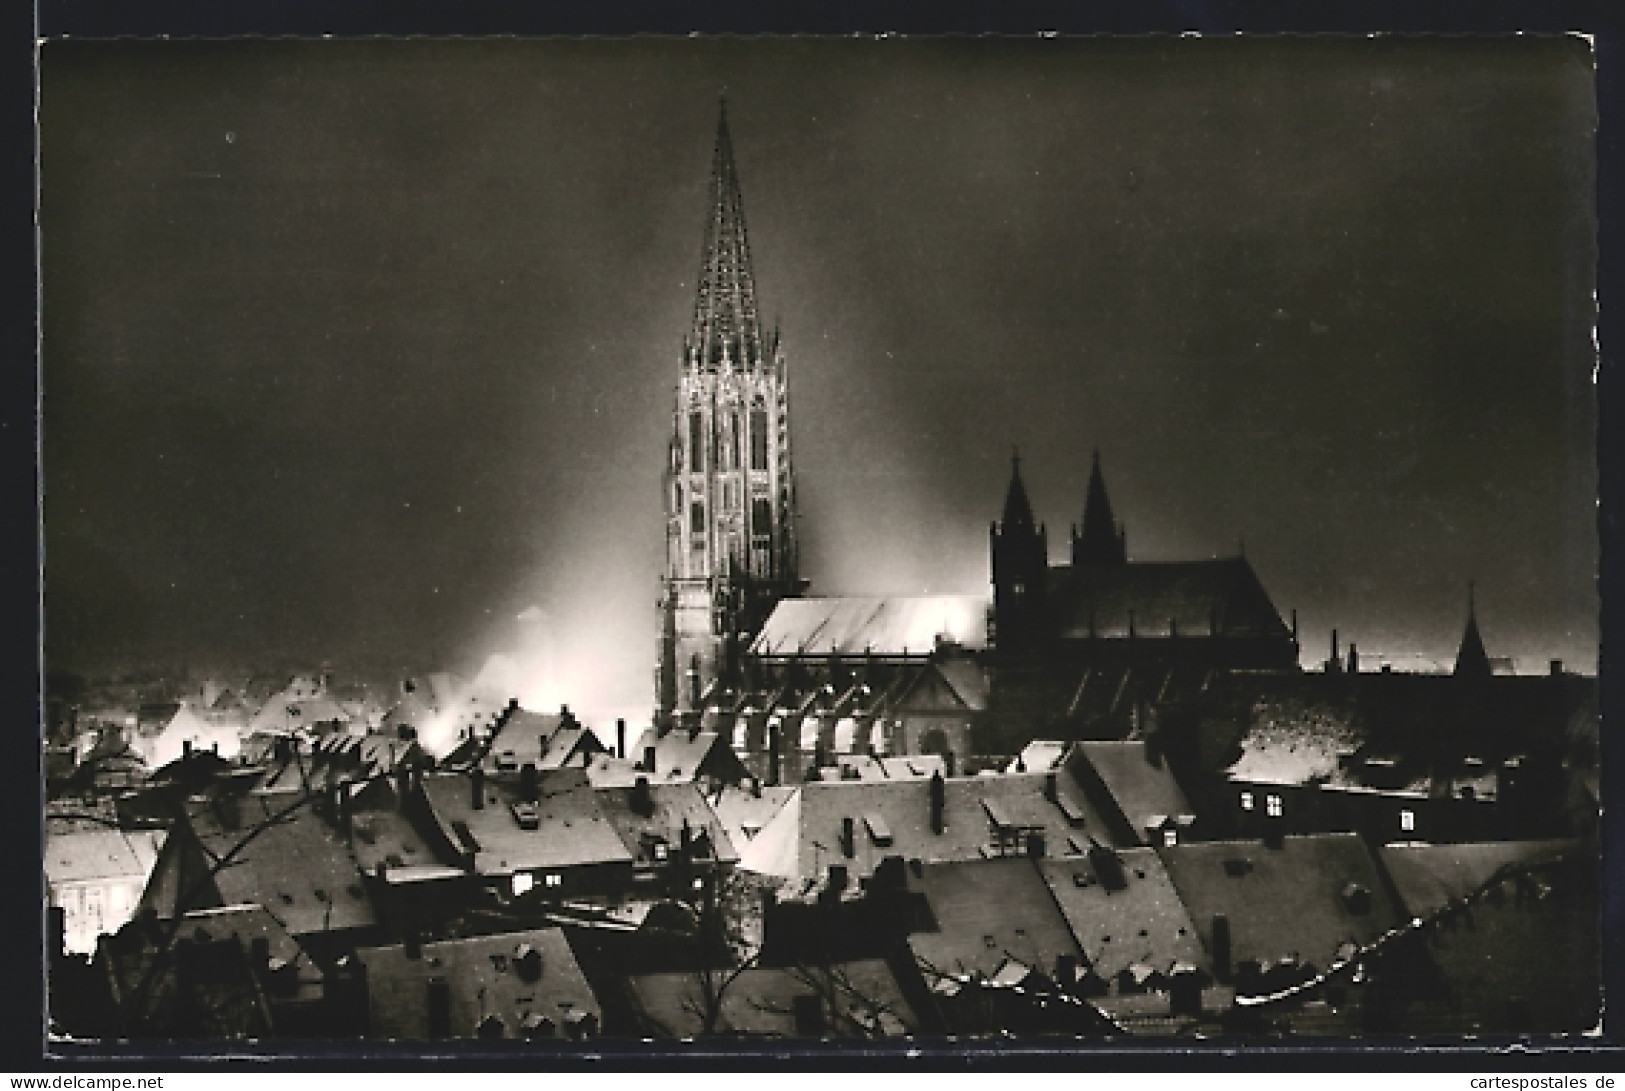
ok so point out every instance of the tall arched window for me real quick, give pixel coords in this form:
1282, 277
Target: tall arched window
761, 517
696, 443
696, 518
758, 439
734, 459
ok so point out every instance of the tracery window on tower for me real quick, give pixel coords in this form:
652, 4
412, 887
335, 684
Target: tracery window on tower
758, 438
696, 520
696, 442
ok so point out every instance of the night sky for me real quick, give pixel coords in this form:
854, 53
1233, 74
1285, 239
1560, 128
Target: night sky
354, 350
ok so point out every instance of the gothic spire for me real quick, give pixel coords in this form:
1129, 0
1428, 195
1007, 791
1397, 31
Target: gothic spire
1471, 659
725, 320
1100, 541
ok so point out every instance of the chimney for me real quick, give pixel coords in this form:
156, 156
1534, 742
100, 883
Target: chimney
648, 759
948, 762
1185, 992
1221, 947
1051, 787
773, 771
1354, 659
1335, 662
186, 750
620, 739
529, 790
476, 783
837, 877
437, 1007
642, 802
939, 797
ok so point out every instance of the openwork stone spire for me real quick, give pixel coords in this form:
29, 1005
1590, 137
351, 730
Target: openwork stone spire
725, 326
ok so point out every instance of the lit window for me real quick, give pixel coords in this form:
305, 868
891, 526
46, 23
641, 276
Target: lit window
523, 881
554, 879
1272, 806
1170, 838
1407, 821
1246, 801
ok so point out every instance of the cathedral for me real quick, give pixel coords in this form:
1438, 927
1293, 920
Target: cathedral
729, 490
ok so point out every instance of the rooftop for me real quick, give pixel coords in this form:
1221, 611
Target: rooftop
893, 818
529, 981
990, 913
1300, 899
859, 999
1142, 922
1429, 877
571, 829
901, 625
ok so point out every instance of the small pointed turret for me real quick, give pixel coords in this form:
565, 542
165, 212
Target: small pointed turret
1101, 540
1471, 659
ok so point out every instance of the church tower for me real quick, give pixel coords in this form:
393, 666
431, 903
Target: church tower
1020, 551
729, 495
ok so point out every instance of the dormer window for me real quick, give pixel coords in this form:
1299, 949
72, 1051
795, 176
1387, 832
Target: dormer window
1407, 820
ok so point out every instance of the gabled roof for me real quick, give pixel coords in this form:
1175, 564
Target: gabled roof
93, 855
284, 713
1429, 877
804, 837
860, 999
1193, 597
1145, 922
901, 625
1039, 756
1282, 901
483, 978
743, 813
204, 731
672, 806
990, 913
678, 755
1138, 789
954, 684
571, 831
388, 837
296, 865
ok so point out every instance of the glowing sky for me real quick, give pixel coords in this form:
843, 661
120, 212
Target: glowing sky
356, 350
